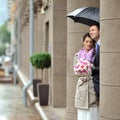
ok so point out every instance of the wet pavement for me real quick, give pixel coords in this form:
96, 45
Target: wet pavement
11, 104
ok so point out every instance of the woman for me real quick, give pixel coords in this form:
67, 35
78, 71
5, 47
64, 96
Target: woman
85, 98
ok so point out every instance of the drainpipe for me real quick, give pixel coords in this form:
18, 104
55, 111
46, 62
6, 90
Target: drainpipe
19, 37
31, 48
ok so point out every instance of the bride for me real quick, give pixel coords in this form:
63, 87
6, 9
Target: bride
85, 98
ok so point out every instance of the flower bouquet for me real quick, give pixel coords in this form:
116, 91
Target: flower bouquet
83, 68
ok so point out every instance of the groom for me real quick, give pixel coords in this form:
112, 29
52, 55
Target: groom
95, 34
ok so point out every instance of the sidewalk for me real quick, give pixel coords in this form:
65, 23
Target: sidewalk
11, 106
50, 113
45, 112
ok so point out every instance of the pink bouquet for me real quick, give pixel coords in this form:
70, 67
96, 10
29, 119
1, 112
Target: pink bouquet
83, 68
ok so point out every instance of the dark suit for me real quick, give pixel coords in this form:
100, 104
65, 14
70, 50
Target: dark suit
95, 72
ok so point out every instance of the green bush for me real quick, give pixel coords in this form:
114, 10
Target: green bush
41, 60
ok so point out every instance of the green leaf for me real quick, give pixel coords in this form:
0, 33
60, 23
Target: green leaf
41, 60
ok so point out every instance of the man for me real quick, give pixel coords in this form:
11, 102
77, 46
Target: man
95, 34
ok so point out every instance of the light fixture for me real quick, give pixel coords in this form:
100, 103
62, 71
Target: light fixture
42, 11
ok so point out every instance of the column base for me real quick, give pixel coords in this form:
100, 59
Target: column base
71, 113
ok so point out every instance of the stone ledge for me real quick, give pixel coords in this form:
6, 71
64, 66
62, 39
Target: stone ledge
41, 112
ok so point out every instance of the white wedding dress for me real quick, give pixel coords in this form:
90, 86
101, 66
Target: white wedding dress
90, 114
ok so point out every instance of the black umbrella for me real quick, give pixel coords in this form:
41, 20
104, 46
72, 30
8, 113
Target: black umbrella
85, 15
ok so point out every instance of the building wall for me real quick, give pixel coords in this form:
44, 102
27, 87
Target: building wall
50, 35
24, 64
38, 40
55, 27
109, 61
24, 39
38, 31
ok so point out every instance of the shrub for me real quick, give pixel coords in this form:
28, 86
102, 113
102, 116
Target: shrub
41, 60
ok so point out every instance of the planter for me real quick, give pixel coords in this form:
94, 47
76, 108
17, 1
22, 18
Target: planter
35, 82
41, 61
43, 93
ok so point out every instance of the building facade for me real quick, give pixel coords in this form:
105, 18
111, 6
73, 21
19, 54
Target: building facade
61, 37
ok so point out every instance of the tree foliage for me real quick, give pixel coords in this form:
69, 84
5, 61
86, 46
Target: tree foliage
4, 34
41, 60
5, 37
2, 49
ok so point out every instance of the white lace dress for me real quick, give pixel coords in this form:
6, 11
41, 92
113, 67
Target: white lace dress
90, 114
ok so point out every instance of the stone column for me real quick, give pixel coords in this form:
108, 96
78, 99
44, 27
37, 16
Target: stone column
110, 60
25, 51
38, 29
59, 45
75, 32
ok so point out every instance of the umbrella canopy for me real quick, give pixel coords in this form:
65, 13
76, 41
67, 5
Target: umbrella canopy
85, 15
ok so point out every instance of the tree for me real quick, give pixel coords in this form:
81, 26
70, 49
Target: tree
4, 34
6, 37
2, 49
41, 61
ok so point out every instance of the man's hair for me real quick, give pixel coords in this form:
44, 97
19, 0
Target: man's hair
97, 25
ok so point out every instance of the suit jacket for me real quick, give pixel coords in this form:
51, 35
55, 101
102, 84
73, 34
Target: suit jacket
95, 72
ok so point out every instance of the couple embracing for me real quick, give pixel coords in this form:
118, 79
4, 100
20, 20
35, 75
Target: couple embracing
86, 67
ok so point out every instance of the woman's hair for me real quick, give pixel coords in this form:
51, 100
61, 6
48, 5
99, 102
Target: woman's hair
88, 35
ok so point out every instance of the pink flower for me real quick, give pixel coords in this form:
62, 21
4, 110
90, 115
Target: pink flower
83, 68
